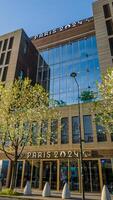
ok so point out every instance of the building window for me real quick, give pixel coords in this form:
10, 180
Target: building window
8, 57
54, 132
101, 135
5, 44
64, 130
44, 130
11, 43
88, 132
107, 12
4, 74
111, 45
2, 58
0, 44
75, 130
109, 25
4, 170
34, 133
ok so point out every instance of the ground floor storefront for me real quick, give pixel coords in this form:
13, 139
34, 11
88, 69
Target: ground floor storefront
97, 172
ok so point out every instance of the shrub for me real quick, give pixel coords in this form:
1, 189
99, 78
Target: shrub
8, 191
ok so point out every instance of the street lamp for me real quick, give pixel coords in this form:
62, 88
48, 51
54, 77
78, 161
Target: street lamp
74, 75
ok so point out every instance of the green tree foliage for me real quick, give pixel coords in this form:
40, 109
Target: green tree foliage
104, 107
87, 95
22, 108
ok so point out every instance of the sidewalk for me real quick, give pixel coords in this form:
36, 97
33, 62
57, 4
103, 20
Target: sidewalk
37, 195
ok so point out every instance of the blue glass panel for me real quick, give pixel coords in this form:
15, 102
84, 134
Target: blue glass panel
56, 86
51, 86
69, 51
63, 84
57, 71
75, 50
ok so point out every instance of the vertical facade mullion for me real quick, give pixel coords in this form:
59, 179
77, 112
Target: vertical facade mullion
100, 174
58, 174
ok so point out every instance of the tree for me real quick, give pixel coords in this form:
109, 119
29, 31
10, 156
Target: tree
22, 108
104, 107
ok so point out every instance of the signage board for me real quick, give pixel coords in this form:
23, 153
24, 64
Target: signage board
62, 28
55, 154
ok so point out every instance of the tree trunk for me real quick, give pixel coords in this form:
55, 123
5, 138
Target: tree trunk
14, 171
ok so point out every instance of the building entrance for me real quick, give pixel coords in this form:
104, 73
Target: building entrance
50, 174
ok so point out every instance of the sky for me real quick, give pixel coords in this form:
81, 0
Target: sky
38, 16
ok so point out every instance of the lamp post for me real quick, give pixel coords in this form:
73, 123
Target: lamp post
74, 75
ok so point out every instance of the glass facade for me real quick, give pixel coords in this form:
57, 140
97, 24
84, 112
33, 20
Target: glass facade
67, 171
79, 56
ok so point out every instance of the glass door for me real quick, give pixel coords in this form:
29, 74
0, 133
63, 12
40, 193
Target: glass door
50, 174
73, 174
107, 173
91, 176
19, 173
63, 176
35, 174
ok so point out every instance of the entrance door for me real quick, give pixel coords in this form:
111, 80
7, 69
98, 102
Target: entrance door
91, 176
50, 174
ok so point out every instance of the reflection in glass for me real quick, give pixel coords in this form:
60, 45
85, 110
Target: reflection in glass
75, 130
54, 132
35, 174
50, 174
44, 129
74, 179
3, 171
80, 56
64, 130
101, 134
88, 132
63, 173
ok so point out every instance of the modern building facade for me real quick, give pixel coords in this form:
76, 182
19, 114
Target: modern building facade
84, 47
18, 57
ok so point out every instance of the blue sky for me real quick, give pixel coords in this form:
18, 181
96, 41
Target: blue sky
37, 16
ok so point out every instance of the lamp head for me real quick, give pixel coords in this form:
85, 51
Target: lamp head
73, 74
